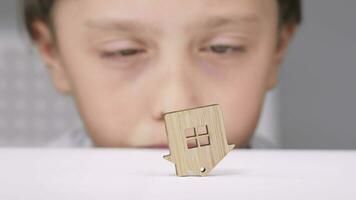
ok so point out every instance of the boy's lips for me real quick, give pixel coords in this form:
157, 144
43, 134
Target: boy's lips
158, 146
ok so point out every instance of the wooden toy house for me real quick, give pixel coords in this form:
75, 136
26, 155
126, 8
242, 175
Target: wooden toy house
196, 139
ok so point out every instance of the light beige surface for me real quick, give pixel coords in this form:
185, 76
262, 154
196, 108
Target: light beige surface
112, 174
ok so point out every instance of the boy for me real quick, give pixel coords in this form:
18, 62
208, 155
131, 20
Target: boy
126, 63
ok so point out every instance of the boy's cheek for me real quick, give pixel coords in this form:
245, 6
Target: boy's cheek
110, 122
241, 118
115, 115
241, 98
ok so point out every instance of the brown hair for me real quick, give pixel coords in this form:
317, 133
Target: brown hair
290, 13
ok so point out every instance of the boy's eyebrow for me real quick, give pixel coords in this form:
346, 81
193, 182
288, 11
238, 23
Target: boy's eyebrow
214, 22
121, 25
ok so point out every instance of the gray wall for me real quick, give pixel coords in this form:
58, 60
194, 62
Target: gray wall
32, 113
8, 15
316, 95
318, 81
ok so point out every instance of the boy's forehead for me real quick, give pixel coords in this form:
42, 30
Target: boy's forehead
193, 14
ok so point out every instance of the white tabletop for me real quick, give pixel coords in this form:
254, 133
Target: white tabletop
143, 174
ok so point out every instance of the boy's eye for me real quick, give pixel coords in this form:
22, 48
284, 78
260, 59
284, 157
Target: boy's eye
223, 49
124, 53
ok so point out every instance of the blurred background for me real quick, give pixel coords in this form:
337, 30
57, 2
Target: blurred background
314, 106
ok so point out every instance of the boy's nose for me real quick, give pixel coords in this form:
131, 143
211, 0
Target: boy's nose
176, 92
176, 78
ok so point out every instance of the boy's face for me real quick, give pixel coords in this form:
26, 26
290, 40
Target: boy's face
126, 62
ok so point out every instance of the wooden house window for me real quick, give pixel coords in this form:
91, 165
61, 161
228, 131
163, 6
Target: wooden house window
197, 137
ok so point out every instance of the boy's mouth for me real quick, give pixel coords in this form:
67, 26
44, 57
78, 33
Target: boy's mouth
158, 146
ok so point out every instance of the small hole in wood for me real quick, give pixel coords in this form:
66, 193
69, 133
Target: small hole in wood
204, 141
192, 143
202, 169
202, 130
189, 132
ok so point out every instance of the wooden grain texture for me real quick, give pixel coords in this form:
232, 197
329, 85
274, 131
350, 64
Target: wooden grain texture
196, 139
